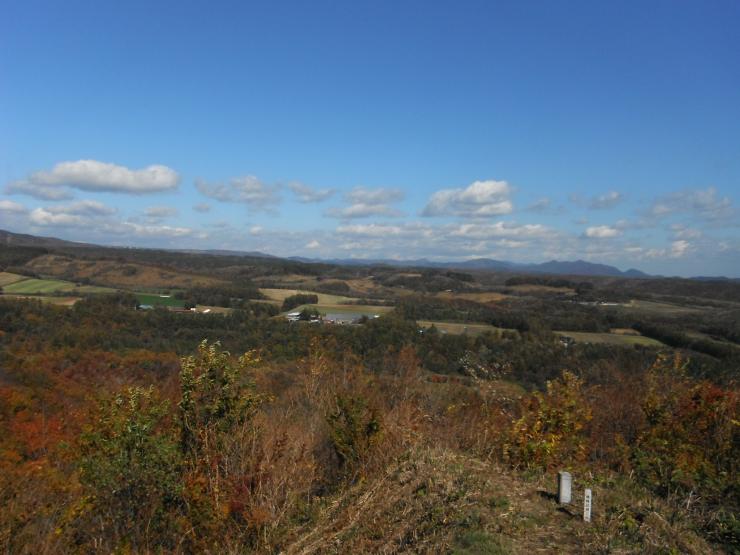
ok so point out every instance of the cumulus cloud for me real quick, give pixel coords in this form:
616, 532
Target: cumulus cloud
313, 244
704, 203
479, 199
94, 176
680, 248
83, 208
202, 207
362, 202
160, 212
602, 232
45, 217
372, 230
248, 190
540, 205
681, 231
307, 194
77, 214
12, 207
605, 201
500, 229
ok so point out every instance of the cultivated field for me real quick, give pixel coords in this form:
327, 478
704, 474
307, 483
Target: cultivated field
34, 286
158, 300
279, 295
6, 278
482, 297
662, 308
458, 328
59, 301
610, 338
358, 309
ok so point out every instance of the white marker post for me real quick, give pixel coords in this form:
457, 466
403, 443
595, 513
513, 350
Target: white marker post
565, 482
587, 505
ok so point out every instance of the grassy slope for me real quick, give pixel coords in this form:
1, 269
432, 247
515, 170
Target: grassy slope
34, 286
611, 338
279, 295
460, 327
438, 501
126, 275
6, 278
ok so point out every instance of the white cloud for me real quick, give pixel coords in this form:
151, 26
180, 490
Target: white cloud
202, 207
160, 212
679, 248
371, 230
248, 190
44, 217
256, 230
92, 175
313, 244
307, 194
479, 199
82, 208
608, 200
681, 231
704, 203
152, 230
602, 232
500, 229
12, 207
540, 205
363, 202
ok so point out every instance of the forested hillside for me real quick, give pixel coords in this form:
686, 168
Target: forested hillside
157, 431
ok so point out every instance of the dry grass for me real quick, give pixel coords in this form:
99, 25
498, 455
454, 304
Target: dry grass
128, 275
459, 328
483, 297
532, 288
59, 301
6, 278
624, 331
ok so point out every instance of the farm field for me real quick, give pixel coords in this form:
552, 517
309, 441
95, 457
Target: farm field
32, 286
610, 338
458, 328
482, 297
279, 295
6, 278
359, 309
59, 301
158, 300
661, 308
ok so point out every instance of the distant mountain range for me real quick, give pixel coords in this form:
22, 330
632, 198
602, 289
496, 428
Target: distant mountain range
577, 267
555, 267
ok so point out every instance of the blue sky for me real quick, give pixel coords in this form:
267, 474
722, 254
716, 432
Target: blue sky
523, 131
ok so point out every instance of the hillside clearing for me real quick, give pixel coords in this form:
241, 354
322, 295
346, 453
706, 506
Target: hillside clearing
33, 286
610, 338
458, 328
279, 295
6, 278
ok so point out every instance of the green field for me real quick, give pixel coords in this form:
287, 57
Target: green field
158, 300
279, 295
610, 338
34, 286
667, 309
